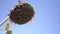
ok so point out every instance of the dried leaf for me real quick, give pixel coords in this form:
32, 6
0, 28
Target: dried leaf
7, 27
9, 32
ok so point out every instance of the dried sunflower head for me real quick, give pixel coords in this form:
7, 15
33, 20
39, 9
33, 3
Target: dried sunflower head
21, 14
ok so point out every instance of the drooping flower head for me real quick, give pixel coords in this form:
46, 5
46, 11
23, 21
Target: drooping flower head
21, 14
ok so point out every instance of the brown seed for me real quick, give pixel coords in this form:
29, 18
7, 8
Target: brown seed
21, 14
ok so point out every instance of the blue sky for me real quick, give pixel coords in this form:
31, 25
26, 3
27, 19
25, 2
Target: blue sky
45, 21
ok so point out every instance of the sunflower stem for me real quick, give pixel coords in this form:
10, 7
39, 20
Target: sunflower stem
19, 2
4, 20
2, 29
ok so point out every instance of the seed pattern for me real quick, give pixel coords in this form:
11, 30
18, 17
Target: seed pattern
21, 14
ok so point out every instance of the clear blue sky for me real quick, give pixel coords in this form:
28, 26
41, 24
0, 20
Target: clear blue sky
45, 21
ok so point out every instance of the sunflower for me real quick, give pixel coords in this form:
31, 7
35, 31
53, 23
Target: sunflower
21, 14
